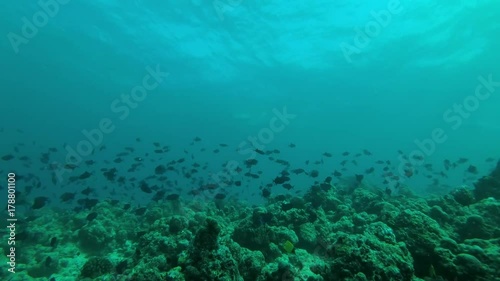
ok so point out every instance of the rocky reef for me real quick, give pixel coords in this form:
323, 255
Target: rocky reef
332, 233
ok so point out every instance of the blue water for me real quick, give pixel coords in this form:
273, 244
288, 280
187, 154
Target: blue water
381, 76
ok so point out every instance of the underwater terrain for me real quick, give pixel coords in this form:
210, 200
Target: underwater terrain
339, 228
233, 140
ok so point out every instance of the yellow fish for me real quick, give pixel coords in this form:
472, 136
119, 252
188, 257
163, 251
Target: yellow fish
288, 246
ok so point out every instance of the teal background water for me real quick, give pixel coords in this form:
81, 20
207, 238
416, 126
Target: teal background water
231, 63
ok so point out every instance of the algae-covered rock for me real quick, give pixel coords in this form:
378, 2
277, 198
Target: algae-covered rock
488, 186
250, 263
475, 227
421, 234
95, 267
206, 237
95, 237
175, 274
469, 267
375, 253
463, 196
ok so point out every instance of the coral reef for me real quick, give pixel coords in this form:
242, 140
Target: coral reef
332, 233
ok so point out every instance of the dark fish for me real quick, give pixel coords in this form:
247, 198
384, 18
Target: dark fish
325, 186
87, 203
472, 169
39, 202
291, 145
298, 171
126, 206
255, 176
359, 178
145, 188
210, 186
408, 173
114, 202
388, 191
84, 175
7, 157
237, 183
326, 154
287, 186
87, 191
53, 242
197, 139
67, 196
250, 162
140, 211
314, 173
370, 170
328, 179
281, 179
110, 174
345, 153
266, 192
366, 152
220, 196
70, 166
91, 216
158, 195
173, 197
48, 261
160, 169
282, 162
462, 160
337, 174
418, 157
259, 151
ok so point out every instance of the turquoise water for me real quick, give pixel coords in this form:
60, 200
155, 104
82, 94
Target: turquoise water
407, 86
380, 76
